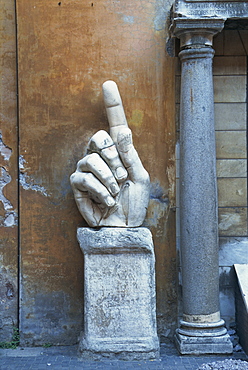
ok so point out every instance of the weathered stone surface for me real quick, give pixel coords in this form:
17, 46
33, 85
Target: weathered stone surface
231, 168
230, 144
241, 303
199, 238
233, 250
233, 221
203, 345
242, 274
77, 46
232, 192
120, 313
8, 173
218, 8
201, 329
227, 306
229, 89
229, 65
230, 116
195, 22
231, 42
110, 185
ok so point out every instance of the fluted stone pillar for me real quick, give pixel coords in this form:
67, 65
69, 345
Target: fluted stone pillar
201, 330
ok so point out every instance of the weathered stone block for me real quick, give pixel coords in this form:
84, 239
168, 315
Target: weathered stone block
241, 303
230, 42
229, 65
229, 89
231, 168
234, 42
230, 144
120, 304
203, 345
230, 116
233, 221
178, 89
232, 192
243, 34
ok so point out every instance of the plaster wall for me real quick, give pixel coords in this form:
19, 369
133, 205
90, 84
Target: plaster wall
8, 174
66, 50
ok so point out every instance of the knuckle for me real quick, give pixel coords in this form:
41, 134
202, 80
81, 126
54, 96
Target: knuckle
146, 177
88, 178
110, 153
100, 140
73, 178
91, 159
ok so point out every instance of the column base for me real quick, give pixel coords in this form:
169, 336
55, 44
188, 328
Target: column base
200, 345
127, 349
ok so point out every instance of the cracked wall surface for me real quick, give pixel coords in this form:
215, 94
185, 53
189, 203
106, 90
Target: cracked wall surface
65, 53
8, 173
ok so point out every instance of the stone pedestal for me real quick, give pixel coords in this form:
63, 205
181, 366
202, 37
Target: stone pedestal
119, 294
201, 330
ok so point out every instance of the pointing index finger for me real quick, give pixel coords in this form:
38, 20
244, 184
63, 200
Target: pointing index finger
114, 108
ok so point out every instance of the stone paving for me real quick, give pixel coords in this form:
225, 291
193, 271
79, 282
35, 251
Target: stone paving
59, 357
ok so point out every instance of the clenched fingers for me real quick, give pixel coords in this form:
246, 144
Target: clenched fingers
97, 166
102, 144
87, 182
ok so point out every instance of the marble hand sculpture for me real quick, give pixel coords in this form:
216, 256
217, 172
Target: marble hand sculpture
110, 184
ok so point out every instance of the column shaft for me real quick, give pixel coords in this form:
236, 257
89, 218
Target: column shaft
201, 329
198, 189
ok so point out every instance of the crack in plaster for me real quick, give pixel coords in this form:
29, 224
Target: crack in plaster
10, 216
26, 182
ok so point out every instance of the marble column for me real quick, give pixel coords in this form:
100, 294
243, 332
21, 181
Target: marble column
201, 329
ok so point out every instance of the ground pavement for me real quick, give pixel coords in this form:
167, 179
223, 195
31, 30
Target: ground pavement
60, 357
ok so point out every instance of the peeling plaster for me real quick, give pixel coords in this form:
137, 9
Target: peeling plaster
26, 182
4, 180
5, 151
10, 217
161, 14
128, 19
159, 204
158, 193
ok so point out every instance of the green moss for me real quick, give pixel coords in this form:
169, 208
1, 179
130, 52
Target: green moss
14, 343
